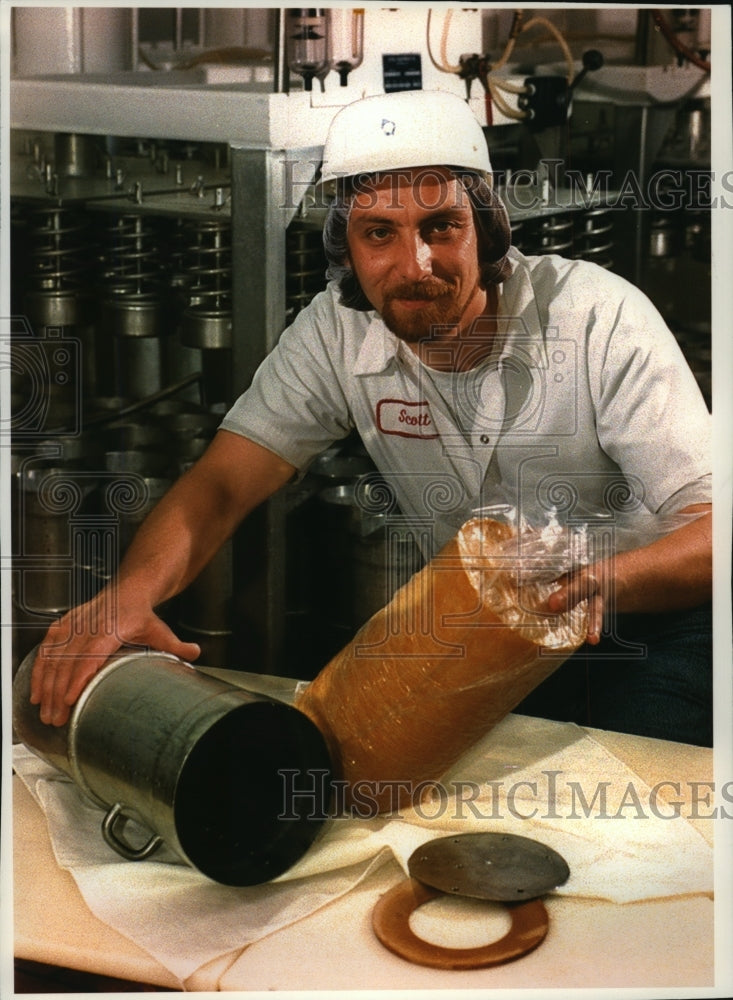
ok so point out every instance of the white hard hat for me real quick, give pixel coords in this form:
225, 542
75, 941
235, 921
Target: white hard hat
410, 128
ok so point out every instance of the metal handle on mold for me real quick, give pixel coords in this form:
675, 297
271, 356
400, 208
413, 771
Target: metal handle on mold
118, 844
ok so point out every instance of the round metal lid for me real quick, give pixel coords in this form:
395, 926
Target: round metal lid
498, 866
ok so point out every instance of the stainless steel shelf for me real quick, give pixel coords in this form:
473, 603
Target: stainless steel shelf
172, 106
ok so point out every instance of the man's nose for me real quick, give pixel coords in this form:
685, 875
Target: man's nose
417, 258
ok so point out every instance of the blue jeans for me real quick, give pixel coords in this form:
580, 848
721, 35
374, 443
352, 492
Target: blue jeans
652, 677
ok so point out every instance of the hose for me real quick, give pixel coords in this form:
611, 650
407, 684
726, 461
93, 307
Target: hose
511, 88
677, 45
542, 21
506, 109
443, 64
496, 85
514, 33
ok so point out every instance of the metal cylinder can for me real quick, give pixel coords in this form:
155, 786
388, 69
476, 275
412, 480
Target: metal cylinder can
50, 499
235, 783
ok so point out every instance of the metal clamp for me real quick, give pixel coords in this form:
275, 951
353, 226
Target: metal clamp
115, 841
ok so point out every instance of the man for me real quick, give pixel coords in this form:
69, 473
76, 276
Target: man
475, 377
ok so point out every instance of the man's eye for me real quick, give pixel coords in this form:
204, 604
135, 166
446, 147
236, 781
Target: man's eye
442, 226
378, 233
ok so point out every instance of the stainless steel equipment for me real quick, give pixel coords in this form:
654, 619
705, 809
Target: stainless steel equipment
202, 766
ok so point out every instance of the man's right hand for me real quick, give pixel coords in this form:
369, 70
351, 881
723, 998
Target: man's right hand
79, 644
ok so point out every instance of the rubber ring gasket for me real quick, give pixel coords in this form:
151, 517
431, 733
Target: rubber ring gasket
391, 924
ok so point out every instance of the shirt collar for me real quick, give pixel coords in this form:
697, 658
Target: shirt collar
524, 333
379, 348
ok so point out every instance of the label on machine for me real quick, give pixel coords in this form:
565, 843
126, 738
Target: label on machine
402, 72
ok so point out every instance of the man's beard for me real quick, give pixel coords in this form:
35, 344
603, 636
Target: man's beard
440, 309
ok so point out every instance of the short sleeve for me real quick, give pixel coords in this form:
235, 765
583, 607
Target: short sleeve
296, 405
651, 418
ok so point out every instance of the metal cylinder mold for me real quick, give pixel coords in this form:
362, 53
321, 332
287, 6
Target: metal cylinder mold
208, 768
665, 238
593, 238
134, 307
140, 468
207, 319
75, 155
306, 265
184, 426
383, 561
133, 315
51, 500
548, 234
131, 434
59, 538
57, 293
366, 554
53, 283
204, 610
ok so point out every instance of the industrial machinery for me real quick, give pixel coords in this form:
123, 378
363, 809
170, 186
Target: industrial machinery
165, 229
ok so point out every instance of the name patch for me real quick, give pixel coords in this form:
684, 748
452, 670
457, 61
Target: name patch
405, 419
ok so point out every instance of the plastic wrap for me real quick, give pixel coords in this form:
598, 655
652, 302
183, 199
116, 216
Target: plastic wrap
515, 576
455, 650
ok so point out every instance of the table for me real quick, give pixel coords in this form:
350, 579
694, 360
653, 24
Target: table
591, 944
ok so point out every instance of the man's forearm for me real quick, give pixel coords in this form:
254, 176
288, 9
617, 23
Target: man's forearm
672, 573
175, 542
197, 516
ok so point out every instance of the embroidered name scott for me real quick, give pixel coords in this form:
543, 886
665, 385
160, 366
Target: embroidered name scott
405, 419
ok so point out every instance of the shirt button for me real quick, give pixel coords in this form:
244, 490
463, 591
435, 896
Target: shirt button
485, 439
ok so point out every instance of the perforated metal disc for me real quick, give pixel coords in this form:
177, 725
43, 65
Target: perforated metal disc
498, 866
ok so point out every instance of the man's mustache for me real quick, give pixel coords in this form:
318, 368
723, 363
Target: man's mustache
420, 290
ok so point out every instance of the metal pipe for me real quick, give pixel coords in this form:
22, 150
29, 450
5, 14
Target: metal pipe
134, 38
179, 29
281, 65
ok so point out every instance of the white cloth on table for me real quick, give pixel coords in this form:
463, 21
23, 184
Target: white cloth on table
527, 776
